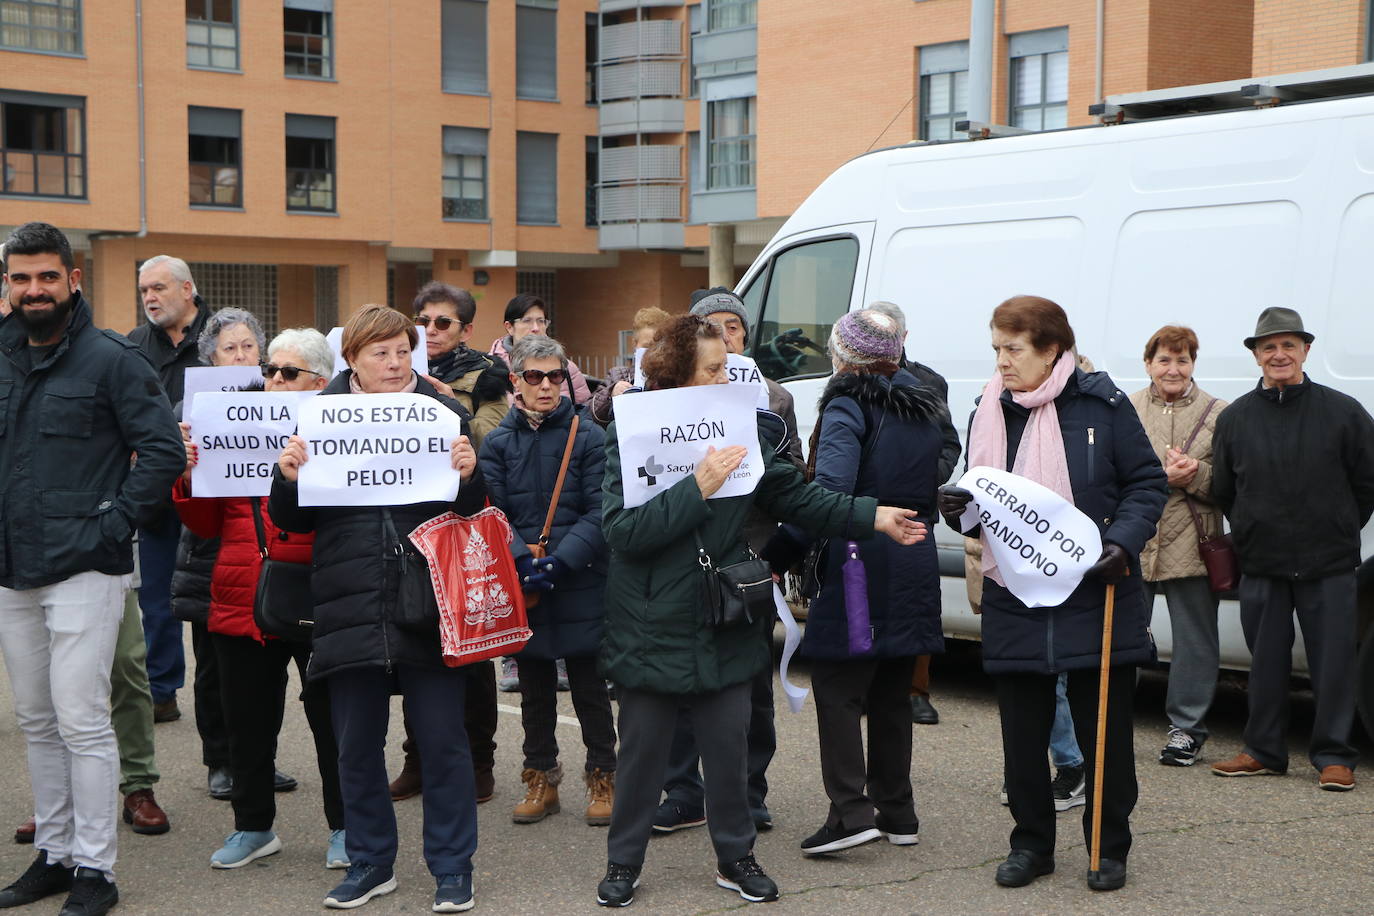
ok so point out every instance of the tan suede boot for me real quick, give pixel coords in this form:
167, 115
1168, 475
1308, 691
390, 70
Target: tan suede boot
541, 795
601, 797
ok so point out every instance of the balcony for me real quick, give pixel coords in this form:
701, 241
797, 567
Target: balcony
641, 79
648, 38
657, 162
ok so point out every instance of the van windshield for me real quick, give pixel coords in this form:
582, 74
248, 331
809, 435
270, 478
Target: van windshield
804, 291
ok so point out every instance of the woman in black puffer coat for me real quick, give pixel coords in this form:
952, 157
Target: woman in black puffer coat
366, 652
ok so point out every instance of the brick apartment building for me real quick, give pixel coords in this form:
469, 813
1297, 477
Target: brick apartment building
309, 157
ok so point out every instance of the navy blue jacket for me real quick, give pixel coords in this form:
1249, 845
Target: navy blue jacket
1119, 483
520, 466
880, 438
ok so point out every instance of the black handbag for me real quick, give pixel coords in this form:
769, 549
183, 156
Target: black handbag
283, 606
416, 607
735, 594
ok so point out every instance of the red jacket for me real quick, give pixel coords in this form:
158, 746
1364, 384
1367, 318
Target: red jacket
234, 583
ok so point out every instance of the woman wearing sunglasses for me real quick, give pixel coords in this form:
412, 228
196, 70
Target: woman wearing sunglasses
252, 666
525, 315
476, 380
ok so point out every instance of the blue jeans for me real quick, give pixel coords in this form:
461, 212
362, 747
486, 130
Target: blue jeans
157, 557
1064, 749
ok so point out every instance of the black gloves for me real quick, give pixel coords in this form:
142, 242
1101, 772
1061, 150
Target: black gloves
1112, 566
952, 501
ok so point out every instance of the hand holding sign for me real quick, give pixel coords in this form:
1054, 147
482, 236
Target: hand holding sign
462, 457
292, 457
716, 468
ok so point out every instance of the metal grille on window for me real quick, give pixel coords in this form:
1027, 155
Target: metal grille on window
252, 287
326, 298
41, 25
541, 283
212, 34
42, 146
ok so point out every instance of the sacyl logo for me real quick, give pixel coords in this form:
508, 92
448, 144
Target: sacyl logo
650, 471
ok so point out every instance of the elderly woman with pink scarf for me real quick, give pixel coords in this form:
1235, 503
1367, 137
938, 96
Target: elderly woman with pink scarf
1076, 433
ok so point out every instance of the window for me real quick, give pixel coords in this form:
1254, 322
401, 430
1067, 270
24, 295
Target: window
42, 144
804, 291
251, 287
593, 177
944, 89
536, 49
212, 34
731, 14
465, 173
1040, 79
464, 39
41, 25
592, 44
536, 178
694, 22
730, 143
308, 42
214, 157
310, 163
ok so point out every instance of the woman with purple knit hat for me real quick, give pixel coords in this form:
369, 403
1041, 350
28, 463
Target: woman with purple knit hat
879, 434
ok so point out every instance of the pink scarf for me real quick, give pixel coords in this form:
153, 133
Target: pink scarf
355, 387
1040, 454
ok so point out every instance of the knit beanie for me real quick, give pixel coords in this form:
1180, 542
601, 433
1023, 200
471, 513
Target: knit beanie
865, 337
719, 299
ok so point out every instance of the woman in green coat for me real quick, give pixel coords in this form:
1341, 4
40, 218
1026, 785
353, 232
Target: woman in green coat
659, 650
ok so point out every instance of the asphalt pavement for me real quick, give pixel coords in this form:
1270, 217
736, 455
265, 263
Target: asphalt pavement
1256, 845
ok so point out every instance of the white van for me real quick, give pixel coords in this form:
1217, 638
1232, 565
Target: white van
1201, 220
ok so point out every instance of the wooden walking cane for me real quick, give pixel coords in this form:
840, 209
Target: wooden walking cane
1099, 758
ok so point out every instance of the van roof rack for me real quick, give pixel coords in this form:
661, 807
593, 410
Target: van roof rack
1310, 85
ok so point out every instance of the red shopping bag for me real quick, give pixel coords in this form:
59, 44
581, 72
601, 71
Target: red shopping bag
481, 606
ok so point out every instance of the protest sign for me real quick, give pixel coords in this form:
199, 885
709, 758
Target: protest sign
639, 367
419, 357
240, 436
745, 376
377, 450
1042, 543
663, 434
218, 378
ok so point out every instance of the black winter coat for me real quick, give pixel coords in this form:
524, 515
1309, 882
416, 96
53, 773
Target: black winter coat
68, 428
172, 361
520, 466
880, 438
191, 577
1294, 472
1118, 483
355, 582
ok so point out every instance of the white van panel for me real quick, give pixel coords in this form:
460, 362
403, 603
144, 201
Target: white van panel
1347, 347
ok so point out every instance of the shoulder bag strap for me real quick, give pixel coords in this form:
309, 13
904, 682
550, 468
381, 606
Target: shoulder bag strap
1188, 500
256, 508
1197, 429
558, 484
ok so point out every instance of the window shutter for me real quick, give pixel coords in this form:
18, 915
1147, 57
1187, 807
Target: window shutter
465, 141
214, 122
536, 52
464, 42
311, 127
536, 177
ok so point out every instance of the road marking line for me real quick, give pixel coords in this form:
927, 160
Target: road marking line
515, 711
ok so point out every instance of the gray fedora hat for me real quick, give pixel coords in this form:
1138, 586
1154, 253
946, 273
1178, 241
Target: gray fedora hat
1277, 320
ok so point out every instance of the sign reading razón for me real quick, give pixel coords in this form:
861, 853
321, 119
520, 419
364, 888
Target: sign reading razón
1042, 544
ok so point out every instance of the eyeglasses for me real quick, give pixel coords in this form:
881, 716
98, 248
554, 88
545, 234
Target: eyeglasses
289, 373
534, 322
536, 377
441, 322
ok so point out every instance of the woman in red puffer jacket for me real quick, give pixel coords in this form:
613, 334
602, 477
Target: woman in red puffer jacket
253, 666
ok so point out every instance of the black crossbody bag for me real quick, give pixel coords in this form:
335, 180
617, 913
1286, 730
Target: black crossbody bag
283, 606
735, 594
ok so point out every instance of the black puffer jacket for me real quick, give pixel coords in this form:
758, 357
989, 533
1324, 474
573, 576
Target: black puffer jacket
191, 579
519, 466
355, 581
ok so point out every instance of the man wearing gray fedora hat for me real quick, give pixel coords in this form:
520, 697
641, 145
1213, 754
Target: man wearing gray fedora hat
1293, 469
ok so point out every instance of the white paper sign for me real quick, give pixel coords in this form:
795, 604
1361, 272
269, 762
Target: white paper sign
240, 436
745, 376
419, 357
663, 434
1042, 543
791, 638
377, 450
639, 367
218, 378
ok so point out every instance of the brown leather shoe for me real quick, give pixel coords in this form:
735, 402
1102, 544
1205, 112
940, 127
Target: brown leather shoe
142, 811
25, 831
600, 797
1336, 778
407, 782
166, 712
541, 795
486, 785
1243, 765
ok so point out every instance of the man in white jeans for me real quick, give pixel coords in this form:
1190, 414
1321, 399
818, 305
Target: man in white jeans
76, 405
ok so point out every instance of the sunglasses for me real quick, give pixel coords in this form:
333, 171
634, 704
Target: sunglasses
441, 323
289, 373
536, 377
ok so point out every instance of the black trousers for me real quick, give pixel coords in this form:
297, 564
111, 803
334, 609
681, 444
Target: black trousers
845, 691
252, 676
479, 719
210, 720
1326, 611
1026, 704
684, 777
539, 712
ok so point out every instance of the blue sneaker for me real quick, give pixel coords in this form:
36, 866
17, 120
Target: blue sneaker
337, 856
361, 884
454, 893
243, 846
